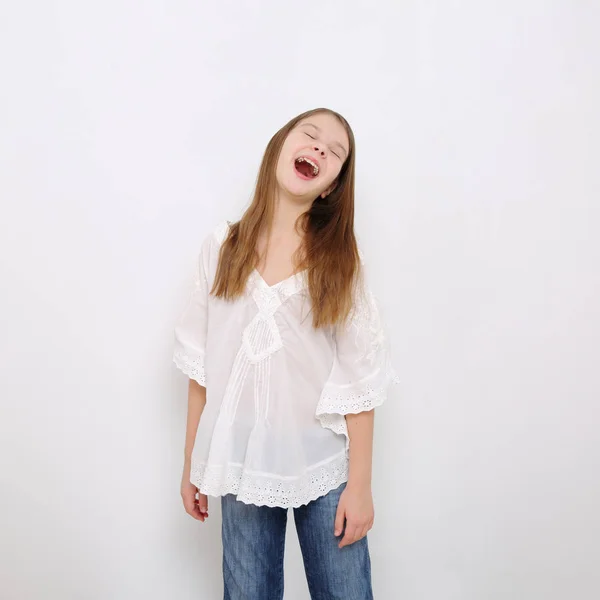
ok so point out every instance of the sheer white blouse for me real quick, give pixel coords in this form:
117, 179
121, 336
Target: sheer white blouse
273, 431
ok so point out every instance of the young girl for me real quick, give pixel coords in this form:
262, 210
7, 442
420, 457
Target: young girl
287, 359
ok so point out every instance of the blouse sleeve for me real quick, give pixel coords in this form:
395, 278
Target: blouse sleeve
191, 328
362, 372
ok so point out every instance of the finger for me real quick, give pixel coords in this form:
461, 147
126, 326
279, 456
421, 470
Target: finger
191, 506
339, 520
201, 516
192, 509
348, 535
203, 504
359, 533
201, 501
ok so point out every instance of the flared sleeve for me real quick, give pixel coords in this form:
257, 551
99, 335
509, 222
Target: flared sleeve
362, 372
190, 330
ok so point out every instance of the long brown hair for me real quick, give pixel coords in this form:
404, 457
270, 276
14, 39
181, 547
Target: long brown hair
329, 252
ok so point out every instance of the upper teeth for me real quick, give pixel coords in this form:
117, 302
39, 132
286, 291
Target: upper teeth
311, 163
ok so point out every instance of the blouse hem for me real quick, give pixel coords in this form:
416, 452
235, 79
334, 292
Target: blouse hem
266, 489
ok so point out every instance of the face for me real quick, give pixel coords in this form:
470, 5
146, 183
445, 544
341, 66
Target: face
312, 156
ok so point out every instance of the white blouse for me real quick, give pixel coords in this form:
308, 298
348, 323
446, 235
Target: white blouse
273, 430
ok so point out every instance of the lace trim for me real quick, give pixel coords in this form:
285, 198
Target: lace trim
355, 399
264, 489
192, 366
336, 402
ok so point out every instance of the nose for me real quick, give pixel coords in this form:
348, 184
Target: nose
321, 152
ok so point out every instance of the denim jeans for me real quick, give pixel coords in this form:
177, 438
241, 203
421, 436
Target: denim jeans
253, 547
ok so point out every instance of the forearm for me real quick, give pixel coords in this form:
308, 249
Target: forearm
196, 403
360, 432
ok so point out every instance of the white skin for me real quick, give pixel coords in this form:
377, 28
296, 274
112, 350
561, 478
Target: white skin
322, 138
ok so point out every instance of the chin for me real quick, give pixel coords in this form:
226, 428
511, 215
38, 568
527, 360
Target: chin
298, 188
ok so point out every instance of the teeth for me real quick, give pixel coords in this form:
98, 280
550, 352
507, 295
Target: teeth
311, 163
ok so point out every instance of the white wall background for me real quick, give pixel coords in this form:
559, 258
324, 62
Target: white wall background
129, 129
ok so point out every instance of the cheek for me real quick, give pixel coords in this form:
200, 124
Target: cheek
288, 151
333, 170
293, 144
280, 163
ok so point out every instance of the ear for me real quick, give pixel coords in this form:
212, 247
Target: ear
329, 190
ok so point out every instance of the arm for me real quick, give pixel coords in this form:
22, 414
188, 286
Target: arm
356, 501
360, 431
196, 403
358, 383
197, 508
189, 354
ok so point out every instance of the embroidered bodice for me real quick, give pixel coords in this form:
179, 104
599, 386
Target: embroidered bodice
273, 430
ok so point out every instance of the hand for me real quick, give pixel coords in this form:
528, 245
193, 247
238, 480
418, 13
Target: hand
196, 507
356, 506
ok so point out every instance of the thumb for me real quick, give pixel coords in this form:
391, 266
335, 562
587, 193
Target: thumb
339, 519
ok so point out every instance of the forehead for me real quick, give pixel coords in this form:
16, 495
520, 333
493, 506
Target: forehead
329, 126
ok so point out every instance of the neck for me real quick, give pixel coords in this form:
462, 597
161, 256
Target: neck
286, 213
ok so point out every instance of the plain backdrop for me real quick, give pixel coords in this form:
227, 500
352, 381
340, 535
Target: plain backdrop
129, 129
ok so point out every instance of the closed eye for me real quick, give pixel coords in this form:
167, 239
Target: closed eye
312, 137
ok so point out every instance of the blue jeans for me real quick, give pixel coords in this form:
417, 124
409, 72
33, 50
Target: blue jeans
253, 547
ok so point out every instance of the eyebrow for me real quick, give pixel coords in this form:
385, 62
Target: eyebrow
335, 143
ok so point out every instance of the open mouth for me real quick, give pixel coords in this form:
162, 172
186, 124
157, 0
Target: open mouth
306, 168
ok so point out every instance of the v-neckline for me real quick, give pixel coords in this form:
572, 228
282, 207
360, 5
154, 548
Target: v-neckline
282, 281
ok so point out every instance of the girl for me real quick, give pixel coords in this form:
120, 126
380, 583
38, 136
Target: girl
287, 359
